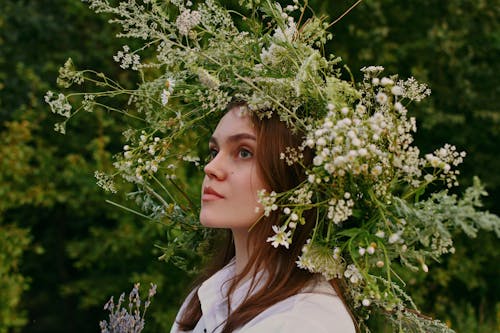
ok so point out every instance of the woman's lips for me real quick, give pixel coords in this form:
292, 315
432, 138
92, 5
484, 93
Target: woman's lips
209, 194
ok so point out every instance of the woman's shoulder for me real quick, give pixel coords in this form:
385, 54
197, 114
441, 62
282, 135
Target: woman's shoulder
316, 309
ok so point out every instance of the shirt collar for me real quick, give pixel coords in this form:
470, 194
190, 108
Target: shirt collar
213, 295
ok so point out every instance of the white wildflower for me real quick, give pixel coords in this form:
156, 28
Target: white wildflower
187, 20
267, 201
281, 237
353, 274
397, 91
320, 259
192, 159
396, 237
127, 59
105, 182
381, 98
165, 94
59, 104
413, 90
386, 82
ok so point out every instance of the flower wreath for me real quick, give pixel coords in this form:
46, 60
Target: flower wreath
367, 178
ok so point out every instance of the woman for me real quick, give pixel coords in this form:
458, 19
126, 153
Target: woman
256, 287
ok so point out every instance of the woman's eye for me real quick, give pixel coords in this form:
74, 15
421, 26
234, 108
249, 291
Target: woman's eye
212, 153
244, 153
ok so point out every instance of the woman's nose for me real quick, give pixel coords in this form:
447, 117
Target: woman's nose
216, 168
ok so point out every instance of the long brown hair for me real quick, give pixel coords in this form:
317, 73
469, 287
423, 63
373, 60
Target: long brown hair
284, 278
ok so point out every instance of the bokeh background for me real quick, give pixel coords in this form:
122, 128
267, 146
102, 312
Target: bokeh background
64, 251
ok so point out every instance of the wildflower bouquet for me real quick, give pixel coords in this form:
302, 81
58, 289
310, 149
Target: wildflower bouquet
368, 183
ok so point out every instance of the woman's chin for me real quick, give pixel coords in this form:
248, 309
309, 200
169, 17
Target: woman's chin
210, 222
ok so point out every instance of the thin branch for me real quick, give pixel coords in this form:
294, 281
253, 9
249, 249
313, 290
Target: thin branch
345, 13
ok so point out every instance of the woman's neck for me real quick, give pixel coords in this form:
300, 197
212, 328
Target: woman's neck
240, 237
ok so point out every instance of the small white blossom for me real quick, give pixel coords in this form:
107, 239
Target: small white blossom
397, 91
394, 238
385, 81
165, 94
353, 274
381, 98
187, 20
281, 237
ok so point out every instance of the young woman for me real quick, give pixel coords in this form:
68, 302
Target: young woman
256, 287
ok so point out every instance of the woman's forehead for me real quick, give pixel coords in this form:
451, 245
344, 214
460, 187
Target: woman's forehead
236, 120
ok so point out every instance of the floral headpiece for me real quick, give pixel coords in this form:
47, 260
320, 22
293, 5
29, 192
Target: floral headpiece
367, 180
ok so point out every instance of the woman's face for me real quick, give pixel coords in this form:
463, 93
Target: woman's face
229, 191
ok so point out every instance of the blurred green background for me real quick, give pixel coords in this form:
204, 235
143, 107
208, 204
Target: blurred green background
64, 251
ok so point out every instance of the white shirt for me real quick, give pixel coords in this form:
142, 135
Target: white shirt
316, 309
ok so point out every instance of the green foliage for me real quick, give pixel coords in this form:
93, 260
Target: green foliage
14, 242
16, 157
68, 249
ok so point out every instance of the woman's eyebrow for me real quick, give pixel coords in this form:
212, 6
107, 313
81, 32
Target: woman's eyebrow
234, 138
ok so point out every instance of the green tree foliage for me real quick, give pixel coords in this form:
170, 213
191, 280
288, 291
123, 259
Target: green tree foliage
64, 251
